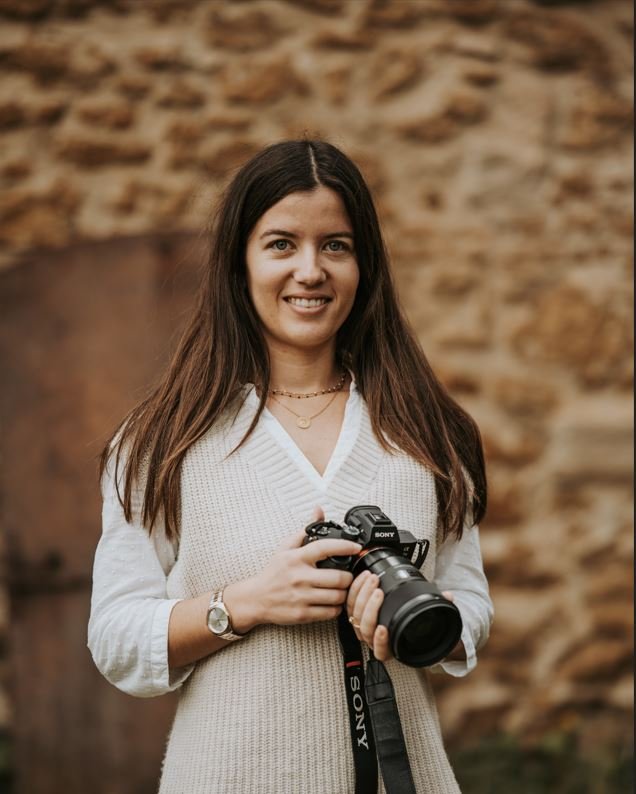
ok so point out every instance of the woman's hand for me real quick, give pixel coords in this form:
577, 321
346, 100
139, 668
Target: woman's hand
363, 608
290, 589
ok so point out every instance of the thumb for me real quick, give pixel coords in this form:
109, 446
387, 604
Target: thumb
318, 514
448, 595
295, 540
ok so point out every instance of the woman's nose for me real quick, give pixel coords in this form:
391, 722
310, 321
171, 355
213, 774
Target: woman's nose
308, 268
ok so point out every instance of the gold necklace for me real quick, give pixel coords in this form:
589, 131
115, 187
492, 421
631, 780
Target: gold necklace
301, 395
305, 421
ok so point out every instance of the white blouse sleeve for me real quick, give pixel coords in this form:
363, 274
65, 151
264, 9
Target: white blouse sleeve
459, 568
130, 610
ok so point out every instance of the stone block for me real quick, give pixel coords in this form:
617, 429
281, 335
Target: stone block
91, 152
525, 396
458, 381
243, 31
346, 41
585, 336
39, 217
258, 83
512, 445
506, 505
476, 12
387, 14
16, 168
559, 41
592, 457
182, 93
217, 160
134, 86
26, 9
226, 121
320, 6
480, 74
46, 61
48, 111
521, 567
12, 114
111, 115
476, 45
394, 71
597, 661
186, 131
596, 118
459, 110
165, 57
334, 83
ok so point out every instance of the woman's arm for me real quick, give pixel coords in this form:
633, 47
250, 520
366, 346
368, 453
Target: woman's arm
459, 569
130, 609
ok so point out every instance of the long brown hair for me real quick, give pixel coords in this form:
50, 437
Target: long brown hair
223, 348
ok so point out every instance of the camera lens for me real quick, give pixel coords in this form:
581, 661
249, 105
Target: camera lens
427, 632
423, 625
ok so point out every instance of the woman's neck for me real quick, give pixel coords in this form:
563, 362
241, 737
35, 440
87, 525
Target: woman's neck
300, 373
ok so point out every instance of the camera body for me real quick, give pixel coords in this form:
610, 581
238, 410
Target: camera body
371, 528
423, 625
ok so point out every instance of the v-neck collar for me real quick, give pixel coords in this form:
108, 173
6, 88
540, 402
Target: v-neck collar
346, 439
353, 466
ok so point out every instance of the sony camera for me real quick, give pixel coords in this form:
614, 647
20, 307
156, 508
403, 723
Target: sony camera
423, 625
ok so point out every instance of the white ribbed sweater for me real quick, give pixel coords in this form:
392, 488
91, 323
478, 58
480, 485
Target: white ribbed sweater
267, 714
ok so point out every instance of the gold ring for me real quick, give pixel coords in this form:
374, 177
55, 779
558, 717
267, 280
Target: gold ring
352, 620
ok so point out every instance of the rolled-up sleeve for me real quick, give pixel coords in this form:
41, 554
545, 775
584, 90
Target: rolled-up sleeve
459, 568
130, 609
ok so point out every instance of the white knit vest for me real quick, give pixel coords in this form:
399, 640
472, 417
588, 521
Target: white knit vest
268, 714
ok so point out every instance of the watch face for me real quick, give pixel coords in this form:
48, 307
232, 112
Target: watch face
218, 620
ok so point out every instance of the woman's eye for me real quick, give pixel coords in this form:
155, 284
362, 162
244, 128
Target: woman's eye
343, 246
275, 244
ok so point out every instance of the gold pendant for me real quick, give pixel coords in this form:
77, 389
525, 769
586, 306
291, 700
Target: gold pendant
303, 422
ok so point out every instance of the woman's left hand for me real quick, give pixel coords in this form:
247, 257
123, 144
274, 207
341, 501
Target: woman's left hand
363, 605
363, 608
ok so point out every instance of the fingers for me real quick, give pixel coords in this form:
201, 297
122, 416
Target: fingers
448, 595
327, 577
315, 613
321, 549
359, 592
323, 596
381, 646
293, 541
369, 619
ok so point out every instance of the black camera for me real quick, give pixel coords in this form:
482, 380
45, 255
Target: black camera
423, 625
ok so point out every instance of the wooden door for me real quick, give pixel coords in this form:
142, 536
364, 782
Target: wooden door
83, 333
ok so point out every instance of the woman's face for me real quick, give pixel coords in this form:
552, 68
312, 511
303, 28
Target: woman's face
302, 272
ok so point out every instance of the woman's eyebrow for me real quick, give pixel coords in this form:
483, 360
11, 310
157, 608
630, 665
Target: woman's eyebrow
291, 234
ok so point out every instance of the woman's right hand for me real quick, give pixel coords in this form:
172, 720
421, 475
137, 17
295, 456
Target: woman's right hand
291, 589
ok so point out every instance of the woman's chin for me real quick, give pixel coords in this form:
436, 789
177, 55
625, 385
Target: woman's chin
304, 342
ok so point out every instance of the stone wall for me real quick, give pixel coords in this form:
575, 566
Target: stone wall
497, 139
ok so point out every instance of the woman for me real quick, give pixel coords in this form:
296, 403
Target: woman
297, 392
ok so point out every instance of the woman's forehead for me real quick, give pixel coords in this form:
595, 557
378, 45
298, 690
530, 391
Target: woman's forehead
317, 208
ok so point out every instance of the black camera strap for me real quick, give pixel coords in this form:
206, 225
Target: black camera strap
387, 728
362, 742
374, 719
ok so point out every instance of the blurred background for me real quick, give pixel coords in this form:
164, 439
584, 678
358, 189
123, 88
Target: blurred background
497, 139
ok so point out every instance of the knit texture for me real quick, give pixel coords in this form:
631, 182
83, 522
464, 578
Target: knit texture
268, 714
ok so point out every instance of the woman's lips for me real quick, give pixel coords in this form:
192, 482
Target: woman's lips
307, 306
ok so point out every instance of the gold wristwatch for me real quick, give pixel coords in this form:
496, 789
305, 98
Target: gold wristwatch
218, 619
